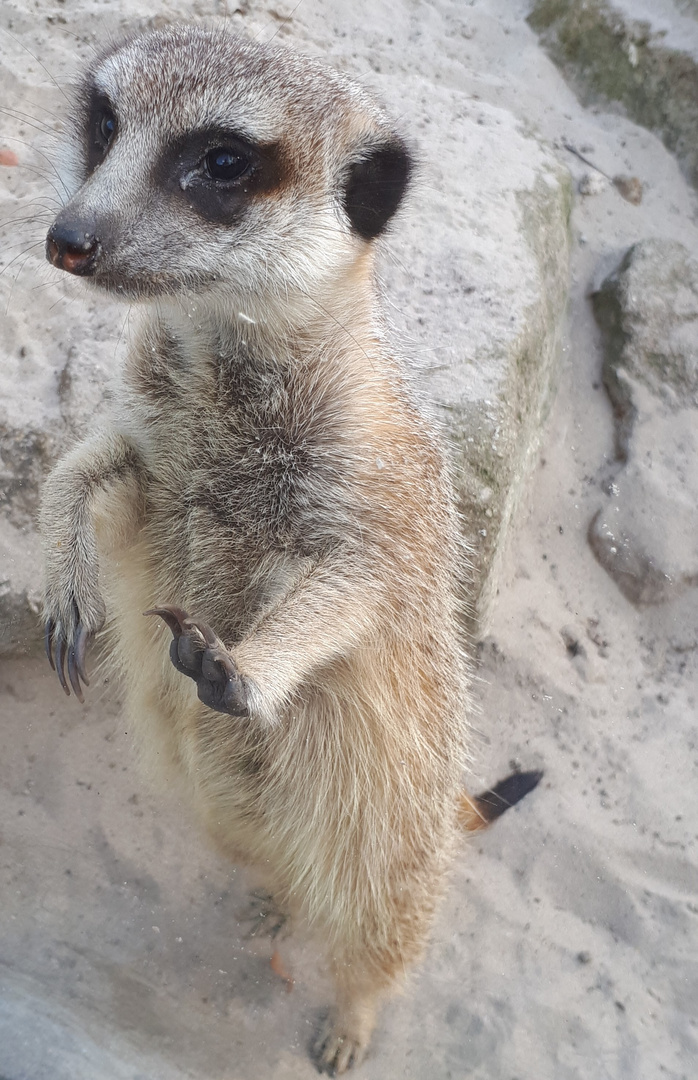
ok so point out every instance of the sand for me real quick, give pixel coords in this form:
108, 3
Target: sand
566, 949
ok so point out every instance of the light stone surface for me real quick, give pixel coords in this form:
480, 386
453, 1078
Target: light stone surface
646, 535
640, 54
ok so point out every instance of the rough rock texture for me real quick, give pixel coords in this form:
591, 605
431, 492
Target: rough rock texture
476, 276
643, 55
503, 284
20, 589
647, 534
648, 311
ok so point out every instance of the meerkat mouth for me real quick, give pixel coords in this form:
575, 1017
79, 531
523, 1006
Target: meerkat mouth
80, 254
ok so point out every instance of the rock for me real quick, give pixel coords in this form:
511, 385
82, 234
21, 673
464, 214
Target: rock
484, 268
648, 312
643, 55
592, 183
646, 536
20, 590
630, 187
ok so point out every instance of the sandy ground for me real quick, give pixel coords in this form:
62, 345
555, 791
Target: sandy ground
566, 949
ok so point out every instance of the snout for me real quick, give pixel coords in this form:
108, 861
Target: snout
72, 246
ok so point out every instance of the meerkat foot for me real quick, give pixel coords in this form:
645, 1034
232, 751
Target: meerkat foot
337, 1048
347, 1030
196, 651
60, 649
266, 918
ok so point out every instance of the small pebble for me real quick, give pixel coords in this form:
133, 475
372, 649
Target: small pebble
592, 183
629, 187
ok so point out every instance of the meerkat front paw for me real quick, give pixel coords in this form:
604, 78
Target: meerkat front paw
69, 630
199, 653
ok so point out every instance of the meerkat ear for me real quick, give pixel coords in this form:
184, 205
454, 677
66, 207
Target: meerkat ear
375, 186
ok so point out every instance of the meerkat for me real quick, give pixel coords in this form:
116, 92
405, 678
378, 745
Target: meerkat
267, 485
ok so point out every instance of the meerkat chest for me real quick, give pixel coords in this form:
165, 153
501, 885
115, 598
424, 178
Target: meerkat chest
242, 445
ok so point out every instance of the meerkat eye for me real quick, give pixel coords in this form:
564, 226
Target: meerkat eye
223, 163
106, 128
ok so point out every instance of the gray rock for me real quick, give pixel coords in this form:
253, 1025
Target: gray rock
646, 536
648, 311
489, 324
20, 589
592, 183
640, 53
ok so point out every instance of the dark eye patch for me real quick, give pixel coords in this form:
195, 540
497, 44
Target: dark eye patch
218, 172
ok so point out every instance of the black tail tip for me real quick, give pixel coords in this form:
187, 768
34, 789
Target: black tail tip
507, 792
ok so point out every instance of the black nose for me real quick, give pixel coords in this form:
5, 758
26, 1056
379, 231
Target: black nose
71, 247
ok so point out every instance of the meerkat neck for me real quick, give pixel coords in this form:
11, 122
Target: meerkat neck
342, 311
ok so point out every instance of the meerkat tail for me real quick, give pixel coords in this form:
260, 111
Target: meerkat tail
478, 811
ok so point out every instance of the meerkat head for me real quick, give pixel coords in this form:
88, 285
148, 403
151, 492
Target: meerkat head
205, 163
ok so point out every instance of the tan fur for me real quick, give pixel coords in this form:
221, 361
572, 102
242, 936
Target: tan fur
470, 817
266, 468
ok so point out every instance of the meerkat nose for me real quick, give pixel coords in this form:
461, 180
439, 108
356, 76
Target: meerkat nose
71, 248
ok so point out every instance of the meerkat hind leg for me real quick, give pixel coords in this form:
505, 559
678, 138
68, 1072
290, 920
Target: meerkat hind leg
347, 1030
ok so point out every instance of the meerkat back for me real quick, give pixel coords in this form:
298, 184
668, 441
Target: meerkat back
266, 491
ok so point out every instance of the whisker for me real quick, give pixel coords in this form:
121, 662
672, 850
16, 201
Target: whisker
24, 220
62, 29
285, 19
123, 328
36, 58
36, 119
20, 254
335, 321
38, 150
44, 177
14, 279
62, 299
43, 285
36, 125
43, 199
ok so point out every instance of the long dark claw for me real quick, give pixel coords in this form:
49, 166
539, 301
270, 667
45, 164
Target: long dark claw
208, 635
73, 676
80, 648
60, 661
48, 641
173, 616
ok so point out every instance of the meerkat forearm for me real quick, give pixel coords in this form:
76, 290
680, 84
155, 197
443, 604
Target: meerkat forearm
98, 460
329, 612
67, 513
72, 598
